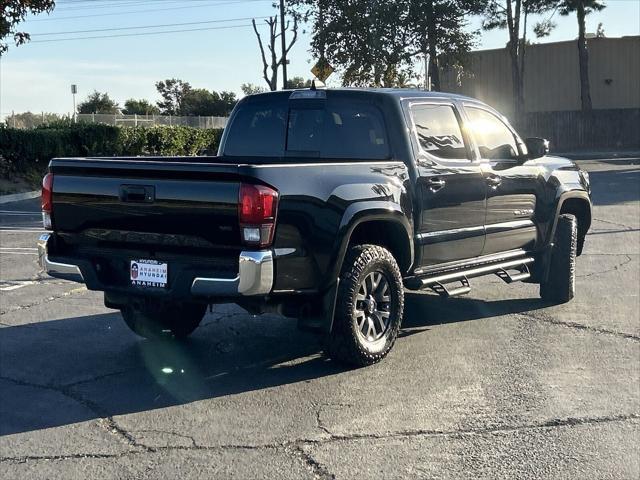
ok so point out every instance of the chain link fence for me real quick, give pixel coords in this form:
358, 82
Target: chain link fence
32, 120
151, 120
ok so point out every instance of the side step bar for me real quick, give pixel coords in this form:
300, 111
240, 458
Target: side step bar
438, 283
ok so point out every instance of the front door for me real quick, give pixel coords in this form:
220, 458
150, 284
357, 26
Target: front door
451, 187
514, 185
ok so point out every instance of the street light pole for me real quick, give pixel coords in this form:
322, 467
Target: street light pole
284, 46
74, 90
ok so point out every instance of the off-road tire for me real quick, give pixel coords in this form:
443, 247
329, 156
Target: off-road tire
344, 343
560, 285
165, 321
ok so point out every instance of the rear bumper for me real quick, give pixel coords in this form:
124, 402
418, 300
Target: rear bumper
255, 274
55, 269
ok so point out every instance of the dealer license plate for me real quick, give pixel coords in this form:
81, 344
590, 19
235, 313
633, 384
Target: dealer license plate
148, 273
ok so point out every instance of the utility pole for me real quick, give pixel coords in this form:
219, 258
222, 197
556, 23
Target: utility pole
321, 25
284, 46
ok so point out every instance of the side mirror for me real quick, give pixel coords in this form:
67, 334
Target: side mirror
537, 147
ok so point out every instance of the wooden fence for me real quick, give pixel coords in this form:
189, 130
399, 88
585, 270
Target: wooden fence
616, 129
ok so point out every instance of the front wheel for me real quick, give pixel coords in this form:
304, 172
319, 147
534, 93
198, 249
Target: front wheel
163, 321
560, 285
369, 307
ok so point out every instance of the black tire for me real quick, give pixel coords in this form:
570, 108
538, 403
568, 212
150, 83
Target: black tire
560, 285
164, 321
348, 343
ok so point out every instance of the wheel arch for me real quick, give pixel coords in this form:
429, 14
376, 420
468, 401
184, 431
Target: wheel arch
387, 233
580, 207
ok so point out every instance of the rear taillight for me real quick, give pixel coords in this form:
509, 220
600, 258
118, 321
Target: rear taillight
257, 208
47, 200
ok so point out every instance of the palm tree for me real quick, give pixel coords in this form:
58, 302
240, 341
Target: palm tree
582, 9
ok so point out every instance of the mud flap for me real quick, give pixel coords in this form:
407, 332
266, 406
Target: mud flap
322, 322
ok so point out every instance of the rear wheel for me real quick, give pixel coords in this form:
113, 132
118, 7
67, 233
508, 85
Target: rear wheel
560, 285
369, 307
177, 320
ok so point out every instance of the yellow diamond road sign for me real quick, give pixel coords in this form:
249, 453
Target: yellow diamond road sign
322, 70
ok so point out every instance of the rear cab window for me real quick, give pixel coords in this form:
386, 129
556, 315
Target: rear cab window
320, 128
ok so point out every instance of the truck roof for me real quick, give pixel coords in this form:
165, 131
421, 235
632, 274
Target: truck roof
398, 93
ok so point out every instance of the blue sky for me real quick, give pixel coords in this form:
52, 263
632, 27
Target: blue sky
37, 76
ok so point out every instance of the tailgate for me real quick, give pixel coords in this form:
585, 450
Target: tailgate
160, 203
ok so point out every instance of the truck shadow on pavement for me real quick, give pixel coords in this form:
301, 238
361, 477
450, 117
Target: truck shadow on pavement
60, 372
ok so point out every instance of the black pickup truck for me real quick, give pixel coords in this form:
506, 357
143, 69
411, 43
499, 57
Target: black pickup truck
322, 205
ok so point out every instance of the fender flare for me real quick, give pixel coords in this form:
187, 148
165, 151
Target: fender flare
572, 194
367, 211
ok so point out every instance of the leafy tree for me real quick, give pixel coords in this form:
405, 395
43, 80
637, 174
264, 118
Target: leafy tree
97, 102
275, 60
199, 101
251, 89
140, 107
172, 92
376, 42
14, 12
582, 8
31, 120
298, 82
512, 15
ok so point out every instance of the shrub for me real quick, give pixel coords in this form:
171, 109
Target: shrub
24, 151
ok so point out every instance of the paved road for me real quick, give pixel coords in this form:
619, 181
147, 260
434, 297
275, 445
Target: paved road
494, 385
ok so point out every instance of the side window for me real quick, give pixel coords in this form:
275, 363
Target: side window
438, 131
355, 130
495, 140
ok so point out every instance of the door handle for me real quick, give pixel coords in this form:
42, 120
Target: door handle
435, 183
494, 181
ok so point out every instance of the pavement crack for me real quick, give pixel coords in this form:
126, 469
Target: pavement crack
553, 423
319, 423
608, 270
73, 456
300, 449
192, 439
626, 227
52, 298
104, 419
96, 378
109, 424
580, 326
317, 469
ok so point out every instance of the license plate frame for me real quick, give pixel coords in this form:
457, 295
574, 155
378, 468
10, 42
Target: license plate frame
148, 273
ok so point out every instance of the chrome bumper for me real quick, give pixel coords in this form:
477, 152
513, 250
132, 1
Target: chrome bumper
55, 269
255, 275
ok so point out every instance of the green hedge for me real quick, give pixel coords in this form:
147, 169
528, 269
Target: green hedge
29, 151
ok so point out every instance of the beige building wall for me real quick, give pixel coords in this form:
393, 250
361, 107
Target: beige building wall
552, 77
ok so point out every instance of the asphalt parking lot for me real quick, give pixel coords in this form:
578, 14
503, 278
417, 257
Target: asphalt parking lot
496, 384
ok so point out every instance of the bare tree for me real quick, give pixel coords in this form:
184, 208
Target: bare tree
275, 60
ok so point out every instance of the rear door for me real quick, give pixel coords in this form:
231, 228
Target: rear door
514, 185
451, 187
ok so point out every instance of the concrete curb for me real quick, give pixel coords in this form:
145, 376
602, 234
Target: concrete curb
16, 197
598, 155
